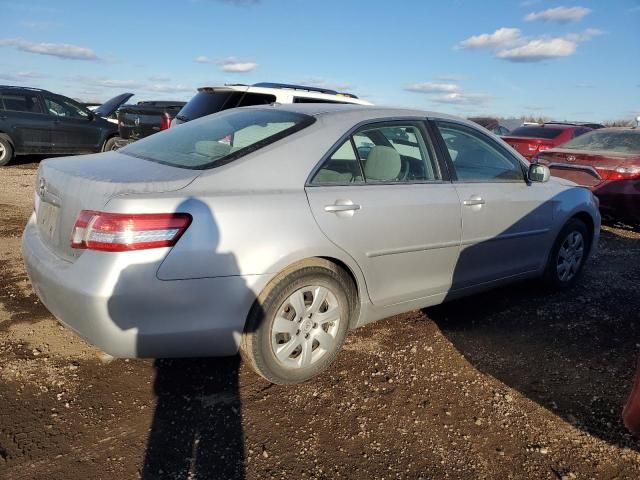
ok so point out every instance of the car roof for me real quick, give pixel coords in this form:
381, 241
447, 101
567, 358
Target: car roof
366, 112
297, 90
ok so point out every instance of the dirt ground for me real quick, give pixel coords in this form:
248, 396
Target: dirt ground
516, 383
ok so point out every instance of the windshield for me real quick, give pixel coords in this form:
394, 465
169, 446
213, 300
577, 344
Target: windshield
536, 132
217, 139
619, 141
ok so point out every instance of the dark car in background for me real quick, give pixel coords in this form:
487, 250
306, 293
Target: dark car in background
35, 121
529, 140
607, 161
491, 124
143, 119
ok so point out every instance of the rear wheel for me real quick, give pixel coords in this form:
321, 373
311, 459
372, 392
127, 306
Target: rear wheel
6, 150
299, 323
568, 255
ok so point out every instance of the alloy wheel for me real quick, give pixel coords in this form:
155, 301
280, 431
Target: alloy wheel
570, 256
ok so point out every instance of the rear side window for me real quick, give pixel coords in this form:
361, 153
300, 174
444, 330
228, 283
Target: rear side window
20, 103
250, 99
313, 100
536, 132
216, 140
207, 102
380, 153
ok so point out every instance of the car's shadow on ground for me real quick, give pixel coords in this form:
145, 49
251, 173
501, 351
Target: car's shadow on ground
574, 355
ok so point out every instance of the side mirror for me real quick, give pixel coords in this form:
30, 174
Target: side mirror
91, 115
539, 173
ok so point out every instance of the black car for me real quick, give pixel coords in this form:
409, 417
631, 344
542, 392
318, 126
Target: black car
37, 121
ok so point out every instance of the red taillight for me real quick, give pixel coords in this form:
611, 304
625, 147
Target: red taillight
117, 232
619, 173
165, 121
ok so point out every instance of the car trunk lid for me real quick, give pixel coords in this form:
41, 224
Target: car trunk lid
65, 186
585, 167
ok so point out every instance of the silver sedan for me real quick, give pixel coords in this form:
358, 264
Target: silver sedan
274, 230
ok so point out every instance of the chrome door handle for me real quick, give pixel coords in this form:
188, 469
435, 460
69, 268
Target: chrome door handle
474, 200
341, 208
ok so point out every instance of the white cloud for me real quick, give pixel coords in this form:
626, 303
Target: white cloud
500, 38
234, 65
460, 98
321, 83
584, 36
61, 50
451, 78
558, 15
538, 50
433, 87
203, 59
109, 83
164, 88
159, 78
19, 76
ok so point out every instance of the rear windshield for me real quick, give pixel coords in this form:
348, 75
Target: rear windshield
206, 103
622, 141
218, 139
536, 132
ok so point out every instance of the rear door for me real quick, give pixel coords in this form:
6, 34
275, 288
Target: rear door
381, 196
22, 117
505, 220
72, 128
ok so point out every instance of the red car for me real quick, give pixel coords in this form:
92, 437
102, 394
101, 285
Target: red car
608, 162
529, 140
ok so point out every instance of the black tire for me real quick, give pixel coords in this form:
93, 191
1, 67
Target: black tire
552, 277
110, 144
6, 150
256, 346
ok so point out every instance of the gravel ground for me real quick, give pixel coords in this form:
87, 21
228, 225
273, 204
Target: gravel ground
516, 383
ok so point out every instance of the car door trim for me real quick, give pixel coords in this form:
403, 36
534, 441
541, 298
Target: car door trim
505, 236
414, 248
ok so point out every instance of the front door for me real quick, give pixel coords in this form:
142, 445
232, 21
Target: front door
505, 220
381, 197
72, 130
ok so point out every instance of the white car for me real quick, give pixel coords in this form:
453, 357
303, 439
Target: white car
214, 99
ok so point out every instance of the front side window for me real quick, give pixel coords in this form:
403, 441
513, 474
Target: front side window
63, 108
476, 158
381, 153
217, 139
20, 103
250, 99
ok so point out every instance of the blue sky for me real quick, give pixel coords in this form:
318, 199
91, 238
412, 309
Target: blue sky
560, 59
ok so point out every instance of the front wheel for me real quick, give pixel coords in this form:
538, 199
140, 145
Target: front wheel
568, 255
299, 323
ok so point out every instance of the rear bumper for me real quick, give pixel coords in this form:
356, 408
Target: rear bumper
620, 199
117, 303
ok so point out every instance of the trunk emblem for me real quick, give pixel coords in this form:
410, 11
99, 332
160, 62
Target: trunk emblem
42, 188
137, 121
571, 158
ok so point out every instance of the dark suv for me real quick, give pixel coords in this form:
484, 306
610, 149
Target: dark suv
41, 122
